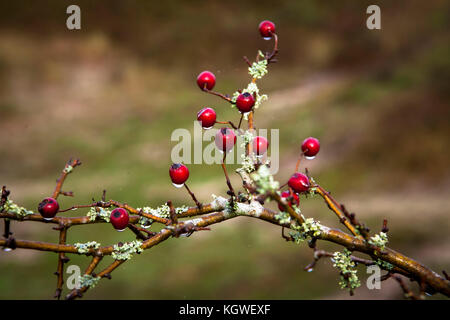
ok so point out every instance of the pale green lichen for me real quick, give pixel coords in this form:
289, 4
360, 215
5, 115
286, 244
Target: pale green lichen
11, 207
264, 180
247, 137
343, 262
258, 69
248, 164
68, 169
379, 240
100, 213
181, 209
162, 211
88, 281
306, 231
83, 248
384, 265
124, 251
283, 217
231, 207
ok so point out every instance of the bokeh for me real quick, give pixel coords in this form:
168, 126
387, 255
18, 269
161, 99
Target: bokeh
112, 93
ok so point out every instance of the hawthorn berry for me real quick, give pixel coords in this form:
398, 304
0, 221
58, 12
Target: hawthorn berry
207, 117
206, 79
48, 208
245, 102
286, 195
225, 139
310, 147
299, 182
260, 145
266, 28
179, 173
119, 219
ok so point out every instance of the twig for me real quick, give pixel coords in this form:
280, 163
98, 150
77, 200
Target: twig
66, 171
198, 204
61, 260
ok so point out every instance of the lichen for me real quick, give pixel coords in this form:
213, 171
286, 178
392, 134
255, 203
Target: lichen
162, 211
283, 217
88, 281
343, 262
125, 251
258, 69
379, 240
83, 248
99, 212
264, 180
181, 209
68, 169
11, 207
306, 231
384, 265
248, 164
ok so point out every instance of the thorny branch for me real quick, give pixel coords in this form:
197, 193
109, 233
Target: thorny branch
202, 216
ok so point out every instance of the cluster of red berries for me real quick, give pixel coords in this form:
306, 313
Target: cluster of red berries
225, 138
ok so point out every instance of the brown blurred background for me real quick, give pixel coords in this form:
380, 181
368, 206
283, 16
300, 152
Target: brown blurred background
112, 93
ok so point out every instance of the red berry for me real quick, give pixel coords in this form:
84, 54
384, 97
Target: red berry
299, 182
179, 173
207, 117
286, 195
48, 208
245, 102
260, 145
225, 139
206, 79
266, 28
310, 147
119, 219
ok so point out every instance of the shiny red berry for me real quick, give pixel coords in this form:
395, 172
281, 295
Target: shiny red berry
266, 28
225, 139
119, 219
179, 173
207, 117
48, 208
206, 79
260, 145
245, 102
299, 182
310, 147
286, 195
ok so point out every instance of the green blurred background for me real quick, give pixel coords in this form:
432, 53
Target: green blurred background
112, 93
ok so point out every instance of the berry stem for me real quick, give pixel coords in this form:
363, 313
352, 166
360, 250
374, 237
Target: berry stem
270, 58
198, 204
240, 121
228, 122
226, 175
218, 94
298, 161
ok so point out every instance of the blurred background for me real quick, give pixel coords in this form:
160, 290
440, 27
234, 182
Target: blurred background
112, 93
